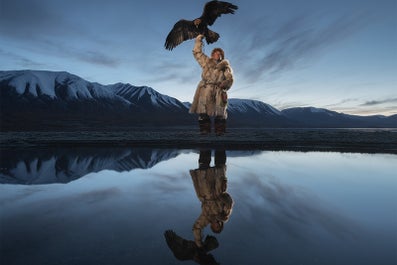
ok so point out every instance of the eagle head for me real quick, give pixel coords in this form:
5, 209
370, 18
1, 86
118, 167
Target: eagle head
197, 22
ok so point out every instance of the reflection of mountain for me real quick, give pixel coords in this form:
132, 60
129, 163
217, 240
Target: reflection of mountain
64, 165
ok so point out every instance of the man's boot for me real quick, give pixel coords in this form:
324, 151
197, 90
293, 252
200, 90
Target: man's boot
204, 159
220, 157
220, 126
204, 124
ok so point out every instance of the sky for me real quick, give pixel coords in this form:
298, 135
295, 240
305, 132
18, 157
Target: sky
339, 55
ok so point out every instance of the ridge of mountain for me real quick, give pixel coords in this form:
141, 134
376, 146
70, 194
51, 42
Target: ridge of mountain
47, 100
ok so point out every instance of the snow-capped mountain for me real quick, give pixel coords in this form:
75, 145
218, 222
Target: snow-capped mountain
65, 165
146, 96
44, 100
256, 113
247, 105
55, 85
318, 117
69, 87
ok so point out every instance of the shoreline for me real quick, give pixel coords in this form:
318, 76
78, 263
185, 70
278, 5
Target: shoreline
329, 140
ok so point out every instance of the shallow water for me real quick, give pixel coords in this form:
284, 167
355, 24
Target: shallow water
112, 206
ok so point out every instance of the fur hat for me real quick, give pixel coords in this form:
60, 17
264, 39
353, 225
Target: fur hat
220, 51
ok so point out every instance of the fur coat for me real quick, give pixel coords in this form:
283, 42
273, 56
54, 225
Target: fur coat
216, 78
216, 204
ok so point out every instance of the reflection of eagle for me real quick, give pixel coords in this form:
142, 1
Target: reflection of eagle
186, 29
187, 250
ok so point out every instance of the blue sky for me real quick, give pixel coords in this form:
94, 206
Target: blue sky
340, 54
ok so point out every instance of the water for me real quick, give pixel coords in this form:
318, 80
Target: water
113, 206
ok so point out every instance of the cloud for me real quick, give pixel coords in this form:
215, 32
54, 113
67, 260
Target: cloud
273, 49
21, 60
295, 211
26, 19
43, 29
94, 57
386, 107
170, 70
342, 102
379, 102
97, 196
59, 49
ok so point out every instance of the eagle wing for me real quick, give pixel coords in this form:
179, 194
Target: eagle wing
214, 9
182, 30
183, 249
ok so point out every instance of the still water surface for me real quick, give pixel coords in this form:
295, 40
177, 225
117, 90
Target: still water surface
113, 206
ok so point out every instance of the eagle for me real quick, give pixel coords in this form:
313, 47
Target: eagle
187, 250
189, 29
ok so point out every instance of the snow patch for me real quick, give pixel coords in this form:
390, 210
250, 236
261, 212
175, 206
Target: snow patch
316, 110
28, 82
245, 105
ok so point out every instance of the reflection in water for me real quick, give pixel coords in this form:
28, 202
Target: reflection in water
188, 250
290, 207
210, 184
31, 166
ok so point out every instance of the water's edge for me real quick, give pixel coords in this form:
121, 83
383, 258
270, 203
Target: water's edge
338, 140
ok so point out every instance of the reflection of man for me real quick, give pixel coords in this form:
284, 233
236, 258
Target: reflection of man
210, 184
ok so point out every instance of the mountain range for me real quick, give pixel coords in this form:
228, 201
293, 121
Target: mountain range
45, 100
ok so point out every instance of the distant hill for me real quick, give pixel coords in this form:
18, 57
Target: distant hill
323, 118
45, 100
257, 114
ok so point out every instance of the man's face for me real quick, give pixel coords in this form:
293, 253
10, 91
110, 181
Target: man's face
216, 227
216, 55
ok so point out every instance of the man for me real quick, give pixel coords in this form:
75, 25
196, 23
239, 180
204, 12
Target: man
210, 99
